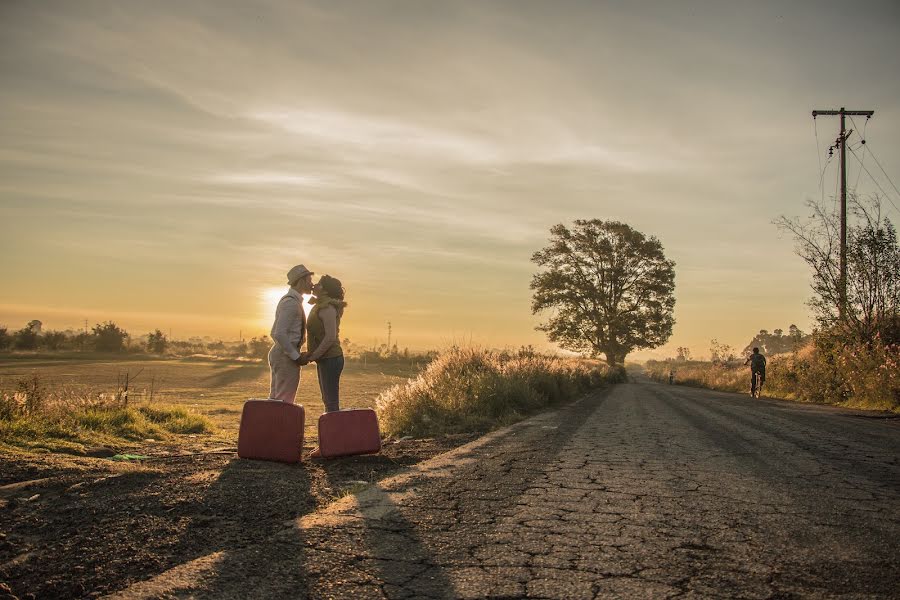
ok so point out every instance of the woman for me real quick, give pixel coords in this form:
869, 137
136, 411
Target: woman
323, 338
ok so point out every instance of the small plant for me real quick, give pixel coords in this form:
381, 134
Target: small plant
32, 394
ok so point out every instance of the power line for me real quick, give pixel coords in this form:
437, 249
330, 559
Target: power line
863, 143
837, 188
875, 158
822, 178
873, 178
859, 173
818, 148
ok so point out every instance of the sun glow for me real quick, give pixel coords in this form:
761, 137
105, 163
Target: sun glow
268, 302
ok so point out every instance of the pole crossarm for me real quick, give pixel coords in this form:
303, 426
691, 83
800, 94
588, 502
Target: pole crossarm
853, 113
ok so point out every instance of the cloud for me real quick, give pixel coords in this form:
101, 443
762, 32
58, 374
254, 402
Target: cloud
362, 133
269, 179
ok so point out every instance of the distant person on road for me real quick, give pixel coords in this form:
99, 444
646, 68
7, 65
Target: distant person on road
288, 333
324, 345
757, 364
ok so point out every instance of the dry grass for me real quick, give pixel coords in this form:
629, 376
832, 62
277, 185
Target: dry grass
66, 417
209, 389
470, 389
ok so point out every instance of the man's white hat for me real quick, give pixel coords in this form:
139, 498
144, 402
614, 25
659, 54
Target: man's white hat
296, 273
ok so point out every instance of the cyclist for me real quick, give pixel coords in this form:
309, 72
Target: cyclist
757, 364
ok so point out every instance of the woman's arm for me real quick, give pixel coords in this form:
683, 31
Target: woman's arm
329, 320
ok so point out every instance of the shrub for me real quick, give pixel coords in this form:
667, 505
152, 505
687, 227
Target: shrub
53, 340
157, 342
26, 339
259, 347
469, 389
109, 337
859, 374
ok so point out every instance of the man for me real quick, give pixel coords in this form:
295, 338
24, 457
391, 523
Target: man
757, 364
289, 332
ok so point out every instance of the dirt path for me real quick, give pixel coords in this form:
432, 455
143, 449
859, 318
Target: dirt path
74, 527
644, 490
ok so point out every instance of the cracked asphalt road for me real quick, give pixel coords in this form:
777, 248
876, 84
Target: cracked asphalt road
641, 490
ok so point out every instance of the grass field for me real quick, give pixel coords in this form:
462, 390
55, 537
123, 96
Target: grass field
215, 389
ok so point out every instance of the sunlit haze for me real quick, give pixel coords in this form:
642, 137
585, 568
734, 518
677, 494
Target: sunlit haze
163, 164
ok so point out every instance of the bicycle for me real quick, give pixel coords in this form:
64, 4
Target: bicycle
757, 379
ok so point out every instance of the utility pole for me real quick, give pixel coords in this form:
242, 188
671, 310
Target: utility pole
841, 142
389, 337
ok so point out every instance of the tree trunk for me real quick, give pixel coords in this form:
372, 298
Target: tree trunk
615, 358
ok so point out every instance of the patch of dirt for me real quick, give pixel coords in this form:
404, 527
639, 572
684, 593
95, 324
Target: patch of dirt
82, 527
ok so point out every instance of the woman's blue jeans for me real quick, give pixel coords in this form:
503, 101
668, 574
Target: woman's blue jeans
329, 372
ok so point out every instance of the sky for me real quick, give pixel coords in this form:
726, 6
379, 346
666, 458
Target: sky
163, 164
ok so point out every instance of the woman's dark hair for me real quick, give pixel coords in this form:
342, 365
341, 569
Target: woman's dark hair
332, 287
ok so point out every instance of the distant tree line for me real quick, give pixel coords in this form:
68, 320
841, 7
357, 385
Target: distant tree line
777, 342
108, 337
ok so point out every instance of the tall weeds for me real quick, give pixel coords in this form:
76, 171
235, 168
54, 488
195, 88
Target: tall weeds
470, 389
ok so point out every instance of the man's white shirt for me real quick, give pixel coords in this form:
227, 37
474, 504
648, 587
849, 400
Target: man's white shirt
289, 329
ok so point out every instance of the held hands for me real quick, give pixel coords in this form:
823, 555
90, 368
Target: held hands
303, 359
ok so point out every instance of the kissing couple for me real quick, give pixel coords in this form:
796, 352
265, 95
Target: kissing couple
320, 331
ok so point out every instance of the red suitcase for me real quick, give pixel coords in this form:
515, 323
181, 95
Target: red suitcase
271, 430
346, 432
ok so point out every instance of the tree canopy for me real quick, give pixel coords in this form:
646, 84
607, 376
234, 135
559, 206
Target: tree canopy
610, 289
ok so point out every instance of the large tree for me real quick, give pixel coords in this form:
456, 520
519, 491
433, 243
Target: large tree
608, 287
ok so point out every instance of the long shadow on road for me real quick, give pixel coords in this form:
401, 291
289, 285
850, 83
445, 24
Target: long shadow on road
413, 535
247, 504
